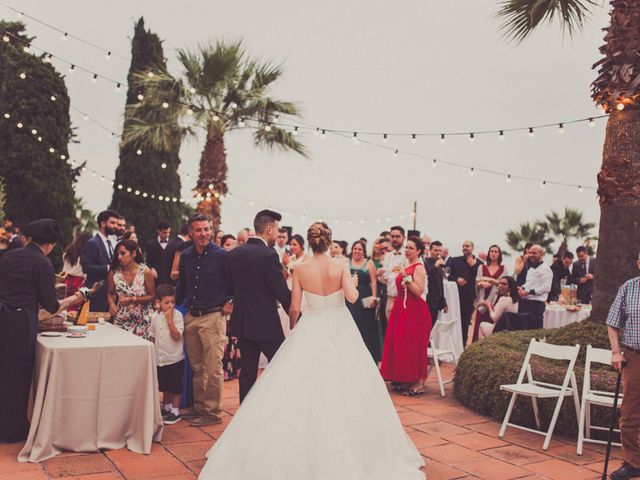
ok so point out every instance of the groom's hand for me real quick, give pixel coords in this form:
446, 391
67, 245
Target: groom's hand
227, 308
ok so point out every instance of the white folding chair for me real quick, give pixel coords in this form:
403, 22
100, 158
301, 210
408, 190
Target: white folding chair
536, 389
444, 346
595, 397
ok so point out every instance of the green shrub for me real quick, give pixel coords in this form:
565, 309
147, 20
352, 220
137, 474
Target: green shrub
497, 360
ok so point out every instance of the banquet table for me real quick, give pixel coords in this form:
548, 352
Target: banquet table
556, 316
453, 313
98, 392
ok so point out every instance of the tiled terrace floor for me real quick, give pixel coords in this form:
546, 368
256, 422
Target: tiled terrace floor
455, 442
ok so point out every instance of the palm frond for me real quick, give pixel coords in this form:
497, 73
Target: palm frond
277, 137
522, 17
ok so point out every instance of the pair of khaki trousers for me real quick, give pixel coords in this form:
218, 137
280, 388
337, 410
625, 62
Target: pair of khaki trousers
205, 339
630, 410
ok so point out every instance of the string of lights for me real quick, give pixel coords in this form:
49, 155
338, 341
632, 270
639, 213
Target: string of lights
383, 136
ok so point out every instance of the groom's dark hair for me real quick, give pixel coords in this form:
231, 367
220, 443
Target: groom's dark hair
264, 218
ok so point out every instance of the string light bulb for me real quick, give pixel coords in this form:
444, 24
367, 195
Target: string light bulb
317, 132
471, 172
26, 48
138, 152
501, 135
395, 154
385, 138
72, 68
267, 128
442, 138
118, 87
65, 35
414, 139
85, 117
508, 179
241, 122
94, 79
434, 163
19, 125
189, 112
7, 115
620, 106
580, 189
355, 138
295, 131
561, 128
472, 137
53, 98
165, 105
323, 135
531, 132
163, 166
6, 38
592, 122
108, 56
543, 184
23, 75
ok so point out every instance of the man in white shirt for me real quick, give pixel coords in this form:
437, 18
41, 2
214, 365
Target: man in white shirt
282, 243
393, 261
536, 288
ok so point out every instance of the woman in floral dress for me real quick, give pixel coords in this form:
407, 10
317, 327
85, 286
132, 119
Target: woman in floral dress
131, 289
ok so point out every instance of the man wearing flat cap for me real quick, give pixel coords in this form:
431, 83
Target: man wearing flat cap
27, 281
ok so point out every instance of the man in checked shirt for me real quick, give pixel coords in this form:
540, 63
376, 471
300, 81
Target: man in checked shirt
625, 315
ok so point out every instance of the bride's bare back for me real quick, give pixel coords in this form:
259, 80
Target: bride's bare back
323, 276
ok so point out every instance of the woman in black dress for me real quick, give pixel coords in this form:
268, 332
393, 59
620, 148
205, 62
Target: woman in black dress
364, 310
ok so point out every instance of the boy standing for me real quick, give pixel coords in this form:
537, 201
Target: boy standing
167, 326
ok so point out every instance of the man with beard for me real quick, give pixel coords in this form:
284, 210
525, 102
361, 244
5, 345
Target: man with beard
96, 256
394, 262
121, 227
463, 271
435, 280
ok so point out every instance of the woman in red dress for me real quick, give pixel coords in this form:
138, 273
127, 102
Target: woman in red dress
487, 284
404, 360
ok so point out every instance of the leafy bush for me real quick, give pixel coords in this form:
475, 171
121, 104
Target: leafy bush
497, 360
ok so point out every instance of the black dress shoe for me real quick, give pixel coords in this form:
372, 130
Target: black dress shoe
625, 471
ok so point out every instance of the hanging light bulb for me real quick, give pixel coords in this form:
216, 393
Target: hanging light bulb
53, 98
189, 112
434, 163
34, 131
531, 133
233, 105
395, 154
63, 157
65, 35
472, 137
267, 128
129, 189
192, 90
19, 125
163, 166
52, 150
111, 134
543, 184
323, 134
442, 138
385, 138
108, 56
471, 172
317, 132
592, 122
276, 118
150, 74
85, 117
580, 189
355, 138
140, 96
7, 115
23, 75
295, 131
138, 152
560, 128
145, 194
414, 139
241, 122
501, 135
26, 48
165, 105
39, 139
94, 79
120, 187
6, 38
72, 68
620, 106
137, 192
211, 186
118, 87
508, 179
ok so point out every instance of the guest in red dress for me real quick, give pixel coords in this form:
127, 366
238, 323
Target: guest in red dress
404, 360
74, 276
487, 284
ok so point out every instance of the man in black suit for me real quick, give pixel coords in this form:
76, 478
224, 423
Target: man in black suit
582, 275
96, 256
256, 284
175, 245
435, 296
463, 271
157, 253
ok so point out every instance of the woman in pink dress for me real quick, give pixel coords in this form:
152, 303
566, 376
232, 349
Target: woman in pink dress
487, 283
404, 360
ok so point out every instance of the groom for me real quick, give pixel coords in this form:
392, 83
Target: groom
256, 284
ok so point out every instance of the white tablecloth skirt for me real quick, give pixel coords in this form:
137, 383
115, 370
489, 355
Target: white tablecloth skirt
557, 316
453, 302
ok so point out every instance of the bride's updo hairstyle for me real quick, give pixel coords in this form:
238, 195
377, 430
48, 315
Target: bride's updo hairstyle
319, 237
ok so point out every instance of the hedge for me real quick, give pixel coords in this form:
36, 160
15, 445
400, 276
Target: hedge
497, 360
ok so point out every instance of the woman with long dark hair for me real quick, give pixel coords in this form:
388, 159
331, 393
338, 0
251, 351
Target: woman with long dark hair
506, 301
74, 278
132, 282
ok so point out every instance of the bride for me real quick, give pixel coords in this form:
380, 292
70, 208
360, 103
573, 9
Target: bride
320, 411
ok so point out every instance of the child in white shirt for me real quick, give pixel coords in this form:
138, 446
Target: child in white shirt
167, 326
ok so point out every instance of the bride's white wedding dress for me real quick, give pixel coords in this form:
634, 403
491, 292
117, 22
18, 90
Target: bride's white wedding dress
320, 411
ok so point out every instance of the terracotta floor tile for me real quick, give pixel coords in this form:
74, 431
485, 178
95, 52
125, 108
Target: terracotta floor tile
196, 466
516, 455
10, 465
423, 440
184, 435
24, 475
560, 470
187, 452
530, 440
439, 471
157, 450
453, 455
413, 418
490, 427
614, 464
77, 465
440, 429
147, 467
100, 476
494, 469
476, 441
568, 453
463, 418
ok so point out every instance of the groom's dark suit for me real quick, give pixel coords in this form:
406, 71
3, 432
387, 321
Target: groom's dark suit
256, 284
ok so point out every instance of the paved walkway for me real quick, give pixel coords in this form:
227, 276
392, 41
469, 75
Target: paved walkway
455, 442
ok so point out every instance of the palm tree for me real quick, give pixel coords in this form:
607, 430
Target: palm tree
222, 90
569, 226
617, 90
536, 232
85, 220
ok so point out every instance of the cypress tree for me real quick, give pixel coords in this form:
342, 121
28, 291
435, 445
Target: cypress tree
142, 169
38, 182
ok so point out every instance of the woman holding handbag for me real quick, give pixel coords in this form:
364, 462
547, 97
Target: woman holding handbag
364, 310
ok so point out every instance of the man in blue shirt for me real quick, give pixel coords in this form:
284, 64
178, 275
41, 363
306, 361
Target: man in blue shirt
625, 315
201, 283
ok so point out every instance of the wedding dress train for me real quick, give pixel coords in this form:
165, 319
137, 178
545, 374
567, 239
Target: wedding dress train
320, 411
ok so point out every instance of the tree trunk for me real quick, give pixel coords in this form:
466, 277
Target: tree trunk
213, 173
619, 191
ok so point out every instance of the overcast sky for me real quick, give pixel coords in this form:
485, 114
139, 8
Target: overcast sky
410, 66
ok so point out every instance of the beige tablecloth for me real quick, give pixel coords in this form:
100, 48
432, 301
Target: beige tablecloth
556, 316
98, 392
